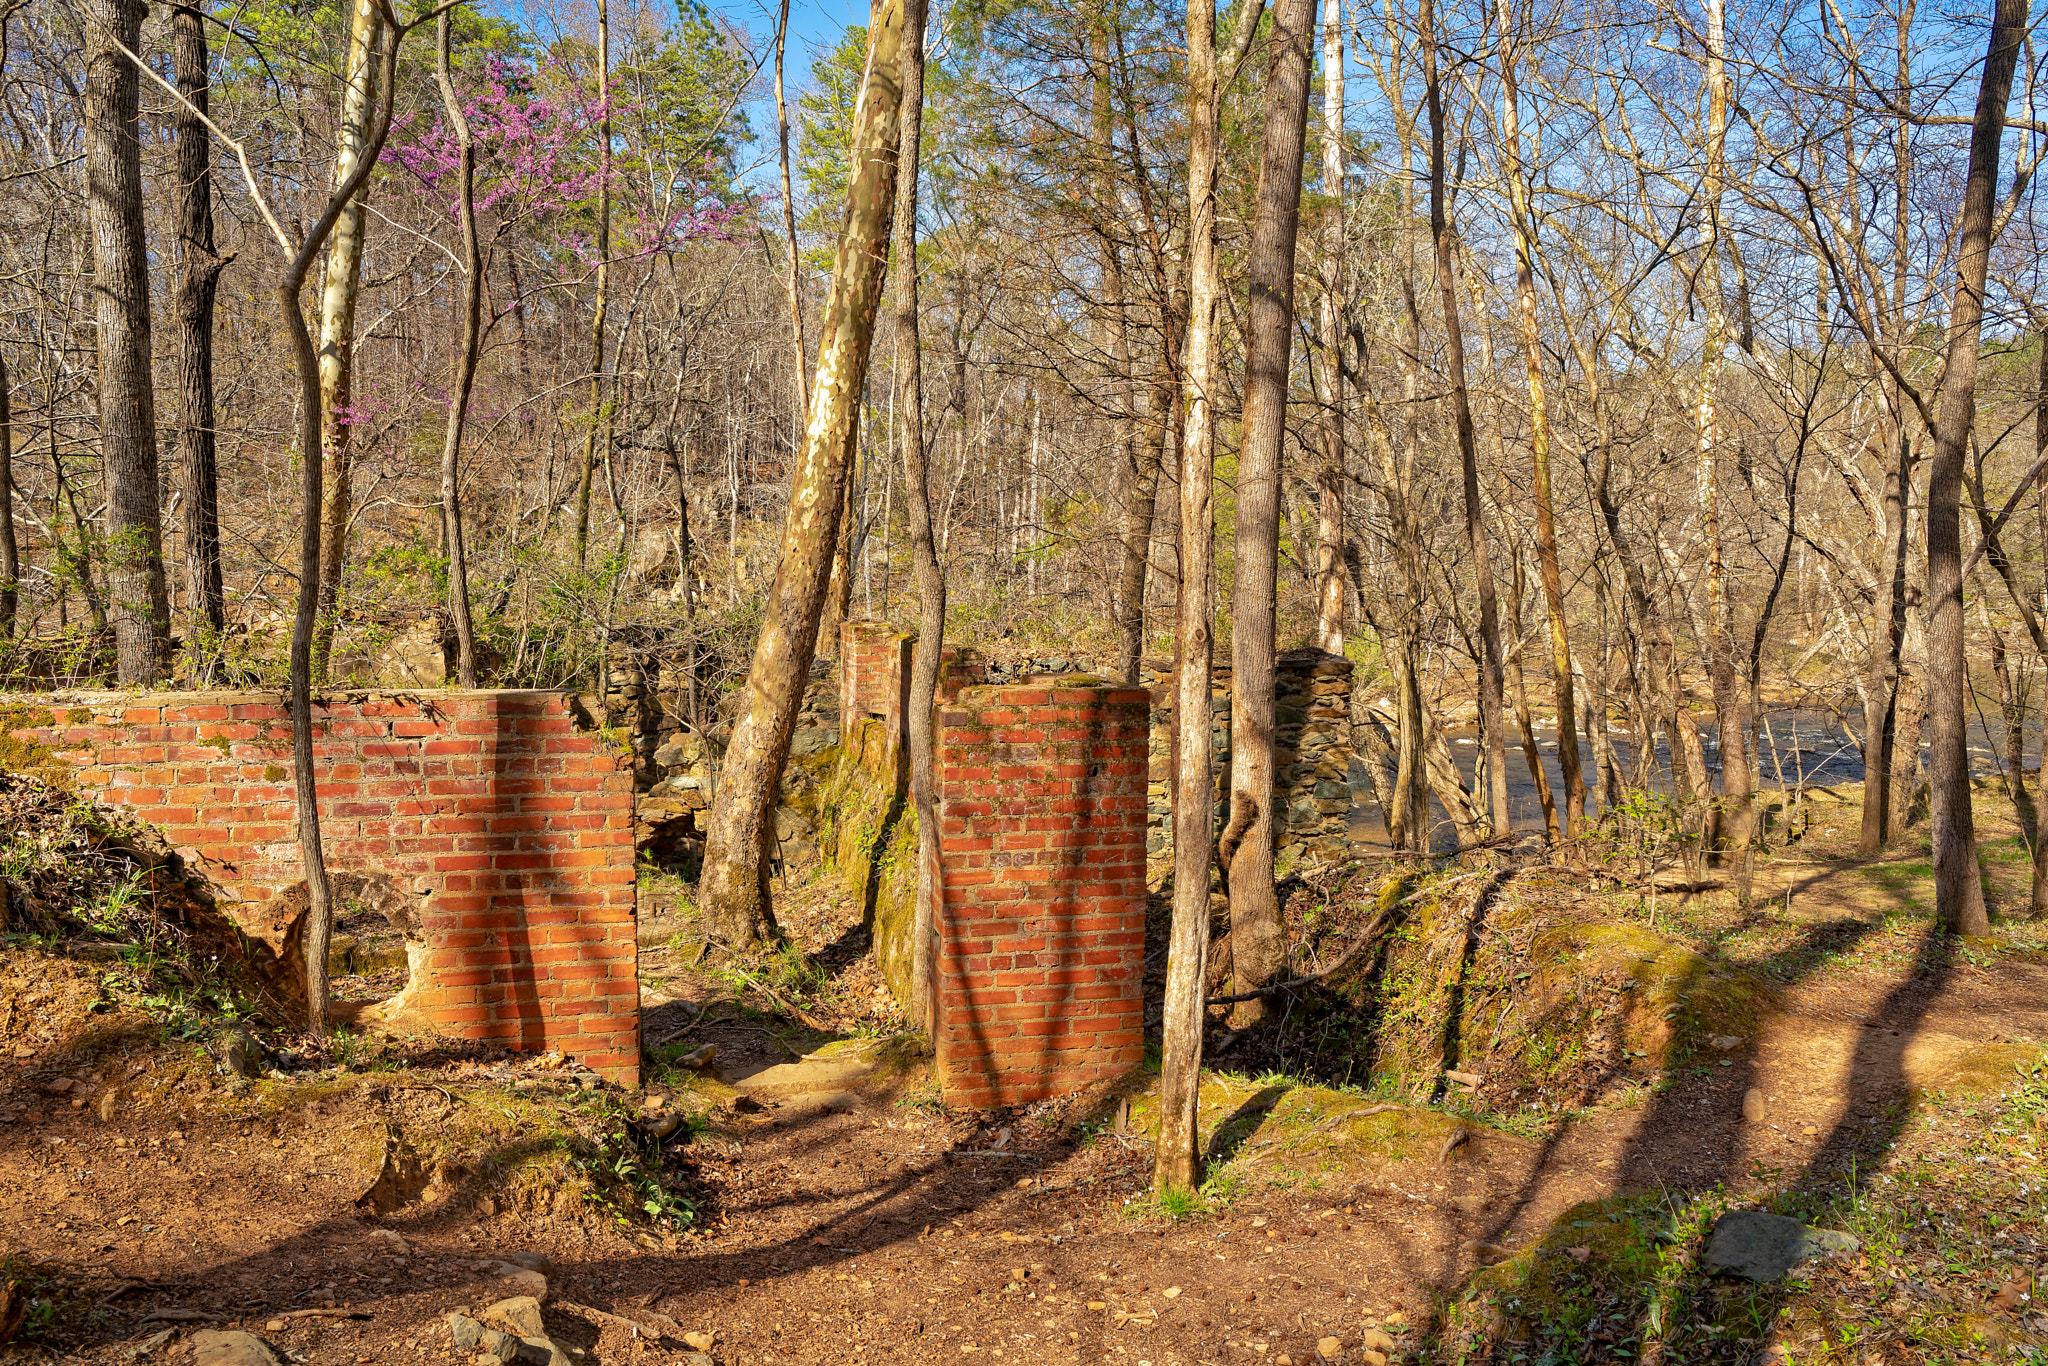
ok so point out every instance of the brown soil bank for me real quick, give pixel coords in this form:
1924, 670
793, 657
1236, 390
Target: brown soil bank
828, 1210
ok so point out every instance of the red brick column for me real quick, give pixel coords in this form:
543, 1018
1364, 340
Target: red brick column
499, 815
874, 681
1042, 869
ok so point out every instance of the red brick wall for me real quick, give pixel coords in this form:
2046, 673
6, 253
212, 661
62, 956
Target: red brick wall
508, 822
1042, 859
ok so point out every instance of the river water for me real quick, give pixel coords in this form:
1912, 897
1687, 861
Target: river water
1794, 748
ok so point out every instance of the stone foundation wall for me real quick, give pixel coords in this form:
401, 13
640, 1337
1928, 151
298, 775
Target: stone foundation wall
1312, 712
494, 829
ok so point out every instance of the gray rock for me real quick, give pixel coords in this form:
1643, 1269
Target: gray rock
466, 1331
238, 1051
212, 1348
1763, 1247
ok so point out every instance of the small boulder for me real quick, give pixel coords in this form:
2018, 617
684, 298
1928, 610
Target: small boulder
1763, 1247
1753, 1107
1329, 1349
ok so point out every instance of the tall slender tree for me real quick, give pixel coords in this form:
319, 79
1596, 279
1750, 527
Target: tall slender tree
462, 365
1958, 884
602, 300
1330, 576
1175, 1157
10, 549
338, 294
199, 270
1258, 944
1492, 690
1524, 226
138, 598
924, 557
733, 887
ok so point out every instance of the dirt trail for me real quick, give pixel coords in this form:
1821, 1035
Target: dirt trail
866, 1228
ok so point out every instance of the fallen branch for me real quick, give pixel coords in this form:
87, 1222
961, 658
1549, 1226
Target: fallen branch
322, 1314
1351, 955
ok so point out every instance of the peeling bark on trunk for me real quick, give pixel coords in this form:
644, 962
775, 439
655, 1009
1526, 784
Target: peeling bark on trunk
734, 888
338, 323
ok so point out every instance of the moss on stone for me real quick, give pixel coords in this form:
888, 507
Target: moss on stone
18, 755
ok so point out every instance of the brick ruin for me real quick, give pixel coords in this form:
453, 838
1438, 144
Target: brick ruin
496, 831
492, 829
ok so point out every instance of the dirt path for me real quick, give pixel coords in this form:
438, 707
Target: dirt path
855, 1225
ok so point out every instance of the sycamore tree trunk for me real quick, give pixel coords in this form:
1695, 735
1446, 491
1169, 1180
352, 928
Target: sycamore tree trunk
1539, 429
338, 321
1258, 945
199, 268
1958, 886
1731, 825
1491, 689
1330, 579
462, 369
1176, 1159
924, 555
792, 280
734, 888
138, 599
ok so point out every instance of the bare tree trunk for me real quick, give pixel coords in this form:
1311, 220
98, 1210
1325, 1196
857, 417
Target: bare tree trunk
1958, 885
1490, 671
1330, 576
2037, 897
793, 278
199, 268
139, 600
604, 276
924, 556
338, 323
10, 550
1539, 428
1176, 1160
1887, 637
462, 368
1731, 826
733, 888
1258, 944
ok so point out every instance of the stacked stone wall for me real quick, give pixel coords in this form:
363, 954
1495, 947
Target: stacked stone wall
1312, 711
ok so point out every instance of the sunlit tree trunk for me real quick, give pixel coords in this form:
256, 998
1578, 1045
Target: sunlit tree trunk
462, 368
924, 555
1491, 707
138, 598
1330, 578
1539, 427
588, 471
733, 889
1175, 1157
338, 323
1258, 945
1958, 886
